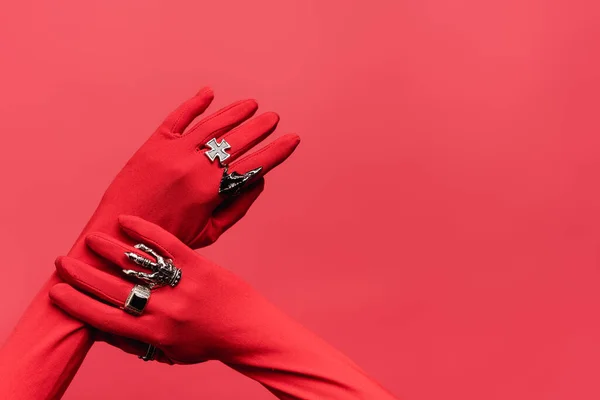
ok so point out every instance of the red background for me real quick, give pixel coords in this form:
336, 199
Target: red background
439, 223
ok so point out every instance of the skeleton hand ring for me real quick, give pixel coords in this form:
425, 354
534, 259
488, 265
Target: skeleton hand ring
163, 270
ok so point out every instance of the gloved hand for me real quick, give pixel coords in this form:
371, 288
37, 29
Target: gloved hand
190, 322
209, 314
170, 181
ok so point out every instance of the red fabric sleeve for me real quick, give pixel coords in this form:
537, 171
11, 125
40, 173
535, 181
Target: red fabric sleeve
291, 361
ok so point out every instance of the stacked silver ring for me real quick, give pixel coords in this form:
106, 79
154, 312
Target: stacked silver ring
164, 273
231, 183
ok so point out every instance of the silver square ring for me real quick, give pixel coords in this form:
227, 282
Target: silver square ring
137, 300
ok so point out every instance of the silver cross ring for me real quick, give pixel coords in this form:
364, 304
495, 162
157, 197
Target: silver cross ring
217, 150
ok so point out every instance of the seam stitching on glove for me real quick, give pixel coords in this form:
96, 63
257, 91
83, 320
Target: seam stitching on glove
183, 110
100, 293
210, 118
253, 155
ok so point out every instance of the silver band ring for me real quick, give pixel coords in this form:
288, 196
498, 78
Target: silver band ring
150, 352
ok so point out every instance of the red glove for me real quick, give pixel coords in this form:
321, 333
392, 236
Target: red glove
169, 181
209, 314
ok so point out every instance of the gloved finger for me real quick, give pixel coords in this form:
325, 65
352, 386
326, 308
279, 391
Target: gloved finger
267, 157
152, 235
114, 250
222, 121
130, 346
250, 133
102, 316
178, 120
93, 281
228, 213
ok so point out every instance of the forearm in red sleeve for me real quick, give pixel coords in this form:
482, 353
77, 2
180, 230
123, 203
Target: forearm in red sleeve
47, 347
294, 363
43, 353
